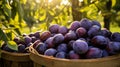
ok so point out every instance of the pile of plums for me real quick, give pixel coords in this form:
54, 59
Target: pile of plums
23, 42
84, 39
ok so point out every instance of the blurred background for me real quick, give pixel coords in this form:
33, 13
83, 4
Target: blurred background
26, 16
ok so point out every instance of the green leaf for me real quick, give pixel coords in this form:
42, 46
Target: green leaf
3, 36
113, 3
12, 45
86, 2
17, 30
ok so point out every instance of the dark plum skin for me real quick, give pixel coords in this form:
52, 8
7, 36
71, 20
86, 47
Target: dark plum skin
21, 48
94, 53
81, 32
54, 28
73, 55
63, 30
85, 23
50, 52
37, 34
36, 43
41, 48
105, 32
49, 42
105, 53
115, 37
94, 22
31, 35
17, 40
58, 38
27, 40
62, 47
80, 46
113, 48
93, 31
6, 48
45, 35
100, 41
33, 39
70, 44
71, 35
60, 55
74, 25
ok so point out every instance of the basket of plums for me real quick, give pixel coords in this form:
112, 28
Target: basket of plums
83, 44
20, 57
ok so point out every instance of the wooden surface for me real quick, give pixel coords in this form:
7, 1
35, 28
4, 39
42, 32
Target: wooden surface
16, 59
45, 61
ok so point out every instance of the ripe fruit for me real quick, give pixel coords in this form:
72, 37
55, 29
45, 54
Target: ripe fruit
6, 48
45, 35
63, 30
41, 47
81, 32
80, 46
99, 41
71, 35
93, 31
73, 55
115, 36
106, 33
85, 23
36, 43
21, 48
37, 34
113, 48
70, 44
62, 47
27, 40
74, 25
49, 42
60, 55
54, 28
58, 38
94, 53
50, 52
94, 22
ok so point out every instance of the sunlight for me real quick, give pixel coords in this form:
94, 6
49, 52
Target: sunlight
50, 1
80, 0
65, 2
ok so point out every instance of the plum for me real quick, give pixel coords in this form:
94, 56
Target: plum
93, 31
37, 34
62, 47
74, 25
50, 52
113, 48
94, 53
45, 35
63, 30
85, 23
21, 48
27, 40
41, 48
71, 35
94, 22
115, 37
100, 41
58, 38
49, 42
73, 55
80, 46
81, 32
54, 28
60, 55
